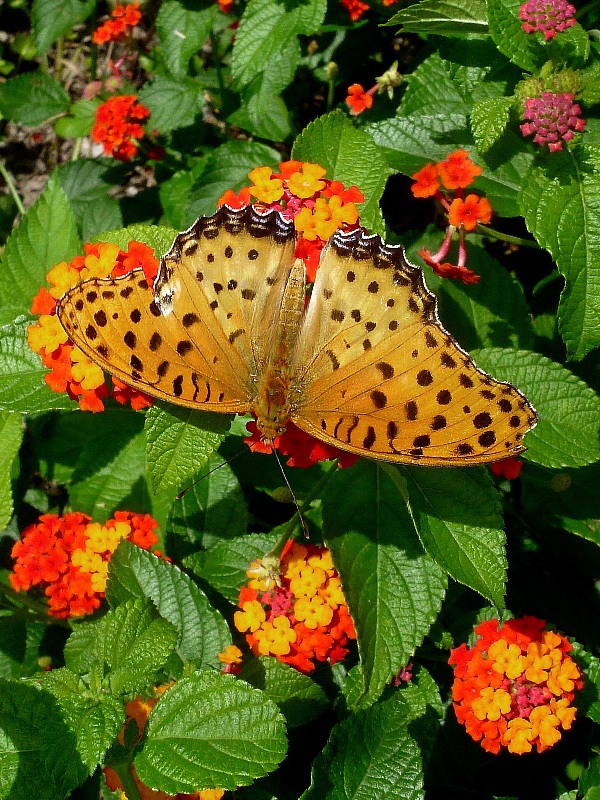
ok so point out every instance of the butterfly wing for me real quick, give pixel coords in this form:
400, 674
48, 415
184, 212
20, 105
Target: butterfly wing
377, 374
198, 339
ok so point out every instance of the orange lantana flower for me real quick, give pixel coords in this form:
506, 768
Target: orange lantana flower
358, 99
119, 25
469, 212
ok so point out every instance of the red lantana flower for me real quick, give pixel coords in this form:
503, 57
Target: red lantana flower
117, 126
358, 99
510, 468
119, 25
355, 8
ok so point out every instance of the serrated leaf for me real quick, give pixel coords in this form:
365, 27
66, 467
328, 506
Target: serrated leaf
202, 631
179, 443
491, 313
19, 646
52, 18
445, 17
349, 155
130, 644
210, 731
11, 434
86, 186
182, 32
173, 104
80, 120
224, 565
38, 756
458, 517
227, 168
95, 721
567, 432
47, 235
521, 48
298, 697
489, 119
159, 237
371, 754
22, 386
266, 29
32, 98
560, 200
212, 510
393, 589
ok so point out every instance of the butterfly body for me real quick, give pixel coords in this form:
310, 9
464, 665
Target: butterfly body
365, 366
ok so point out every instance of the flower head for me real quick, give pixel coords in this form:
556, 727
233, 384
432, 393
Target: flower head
358, 99
458, 171
552, 119
515, 686
547, 16
301, 618
67, 557
510, 468
119, 25
117, 126
469, 212
355, 8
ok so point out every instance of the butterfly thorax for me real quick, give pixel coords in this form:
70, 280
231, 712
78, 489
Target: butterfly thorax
273, 403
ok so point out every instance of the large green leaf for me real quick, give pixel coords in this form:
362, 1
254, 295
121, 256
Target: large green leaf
568, 409
560, 200
394, 590
32, 98
182, 31
52, 18
445, 17
350, 156
202, 631
208, 731
173, 103
11, 434
47, 235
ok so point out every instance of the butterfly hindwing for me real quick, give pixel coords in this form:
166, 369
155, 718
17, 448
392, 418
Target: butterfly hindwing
378, 374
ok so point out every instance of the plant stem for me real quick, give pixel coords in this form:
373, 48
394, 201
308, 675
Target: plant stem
39, 609
58, 60
11, 186
123, 770
76, 149
484, 230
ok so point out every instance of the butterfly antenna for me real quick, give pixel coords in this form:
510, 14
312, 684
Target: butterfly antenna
285, 478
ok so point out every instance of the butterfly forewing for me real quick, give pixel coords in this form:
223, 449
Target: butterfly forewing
191, 341
377, 374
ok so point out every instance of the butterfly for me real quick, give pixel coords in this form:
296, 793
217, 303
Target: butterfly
364, 364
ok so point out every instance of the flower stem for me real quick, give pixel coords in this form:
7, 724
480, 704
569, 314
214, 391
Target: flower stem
123, 770
11, 186
491, 233
39, 609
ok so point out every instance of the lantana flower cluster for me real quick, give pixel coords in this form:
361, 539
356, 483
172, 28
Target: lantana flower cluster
293, 608
356, 8
552, 118
71, 371
515, 687
446, 181
117, 126
119, 25
360, 100
139, 710
547, 16
67, 557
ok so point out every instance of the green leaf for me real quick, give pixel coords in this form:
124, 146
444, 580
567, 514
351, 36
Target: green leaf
370, 754
22, 386
567, 432
47, 235
489, 120
208, 731
523, 49
212, 510
350, 156
182, 32
80, 120
52, 18
491, 313
445, 17
173, 104
224, 565
110, 465
179, 443
299, 698
32, 98
11, 434
202, 631
266, 29
38, 756
458, 517
95, 721
86, 185
19, 646
560, 200
393, 589
129, 645
227, 168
